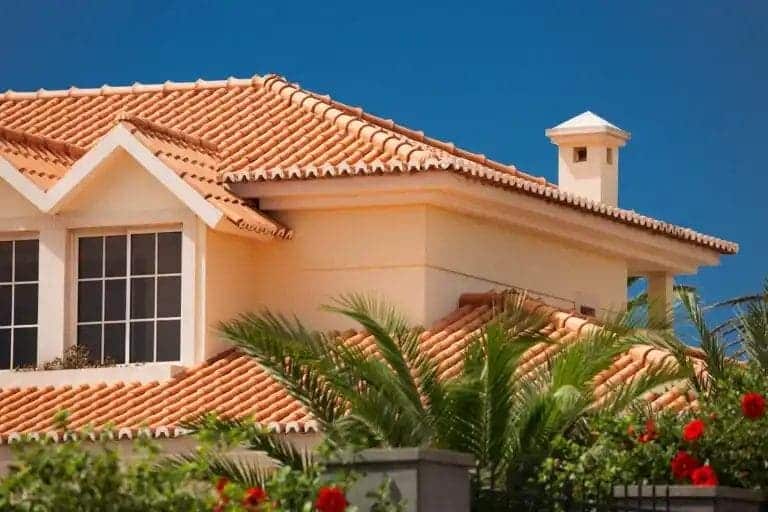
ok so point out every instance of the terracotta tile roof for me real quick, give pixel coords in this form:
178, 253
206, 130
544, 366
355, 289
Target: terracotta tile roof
265, 128
232, 384
195, 161
41, 159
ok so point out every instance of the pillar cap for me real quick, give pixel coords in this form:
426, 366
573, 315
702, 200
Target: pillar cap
586, 123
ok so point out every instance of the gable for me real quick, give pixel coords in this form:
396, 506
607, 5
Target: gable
120, 183
13, 204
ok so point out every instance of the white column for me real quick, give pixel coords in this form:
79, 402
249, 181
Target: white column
52, 293
660, 296
188, 288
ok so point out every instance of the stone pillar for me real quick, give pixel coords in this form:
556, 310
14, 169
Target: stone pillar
660, 296
687, 498
424, 480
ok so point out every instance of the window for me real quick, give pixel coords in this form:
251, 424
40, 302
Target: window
18, 303
579, 154
129, 297
609, 156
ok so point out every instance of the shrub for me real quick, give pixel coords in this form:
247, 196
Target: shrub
724, 441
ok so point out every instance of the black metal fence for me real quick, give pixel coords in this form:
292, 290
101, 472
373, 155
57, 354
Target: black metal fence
575, 497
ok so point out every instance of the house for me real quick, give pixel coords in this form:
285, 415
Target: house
134, 219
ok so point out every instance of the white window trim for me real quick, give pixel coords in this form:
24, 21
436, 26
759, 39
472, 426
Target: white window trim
19, 237
185, 274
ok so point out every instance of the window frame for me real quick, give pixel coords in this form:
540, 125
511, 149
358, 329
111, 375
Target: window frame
20, 237
75, 280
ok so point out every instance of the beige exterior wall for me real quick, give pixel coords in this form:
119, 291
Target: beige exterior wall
333, 252
468, 254
119, 194
420, 258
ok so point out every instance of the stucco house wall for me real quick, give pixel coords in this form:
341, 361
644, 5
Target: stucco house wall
420, 258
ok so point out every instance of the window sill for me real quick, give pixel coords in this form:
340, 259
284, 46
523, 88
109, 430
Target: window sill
147, 372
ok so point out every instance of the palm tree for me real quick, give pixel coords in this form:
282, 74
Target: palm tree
392, 395
744, 336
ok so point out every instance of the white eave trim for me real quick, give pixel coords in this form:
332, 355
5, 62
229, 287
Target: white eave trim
118, 137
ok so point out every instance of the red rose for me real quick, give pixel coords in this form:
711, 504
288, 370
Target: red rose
704, 476
753, 405
683, 464
254, 496
693, 430
221, 483
650, 433
331, 499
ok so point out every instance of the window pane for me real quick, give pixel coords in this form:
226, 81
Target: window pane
89, 301
114, 299
26, 260
6, 258
90, 257
142, 342
114, 343
169, 253
168, 340
25, 347
168, 296
142, 254
89, 336
5, 349
143, 297
115, 260
25, 304
6, 292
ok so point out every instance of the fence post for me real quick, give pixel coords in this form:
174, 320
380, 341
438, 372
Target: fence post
424, 480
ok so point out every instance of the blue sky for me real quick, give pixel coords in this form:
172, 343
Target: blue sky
688, 79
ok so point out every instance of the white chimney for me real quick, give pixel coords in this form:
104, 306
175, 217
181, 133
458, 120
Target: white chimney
588, 157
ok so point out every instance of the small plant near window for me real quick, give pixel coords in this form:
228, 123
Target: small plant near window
74, 358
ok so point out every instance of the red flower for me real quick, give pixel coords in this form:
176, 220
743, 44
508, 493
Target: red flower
683, 464
331, 499
753, 405
254, 496
650, 433
693, 430
221, 483
704, 476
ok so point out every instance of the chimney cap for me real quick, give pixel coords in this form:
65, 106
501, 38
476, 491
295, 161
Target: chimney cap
587, 123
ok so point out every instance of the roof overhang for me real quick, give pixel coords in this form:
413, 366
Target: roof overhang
643, 250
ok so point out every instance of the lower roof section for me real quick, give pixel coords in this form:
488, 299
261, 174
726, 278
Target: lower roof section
234, 385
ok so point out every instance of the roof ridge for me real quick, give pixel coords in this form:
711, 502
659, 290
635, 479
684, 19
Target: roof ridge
145, 124
53, 145
136, 87
404, 149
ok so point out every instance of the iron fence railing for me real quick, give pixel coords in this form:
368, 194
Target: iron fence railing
575, 497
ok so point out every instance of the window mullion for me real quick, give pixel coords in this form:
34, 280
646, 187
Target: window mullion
103, 293
128, 287
155, 279
13, 302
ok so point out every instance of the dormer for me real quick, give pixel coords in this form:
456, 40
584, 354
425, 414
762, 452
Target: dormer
588, 157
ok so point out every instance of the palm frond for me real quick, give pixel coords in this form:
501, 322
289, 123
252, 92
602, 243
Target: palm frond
244, 469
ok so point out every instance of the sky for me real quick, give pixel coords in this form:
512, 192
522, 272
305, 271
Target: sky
689, 80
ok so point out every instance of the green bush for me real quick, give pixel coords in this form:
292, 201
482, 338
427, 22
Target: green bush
728, 439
